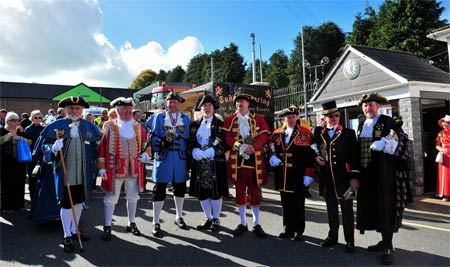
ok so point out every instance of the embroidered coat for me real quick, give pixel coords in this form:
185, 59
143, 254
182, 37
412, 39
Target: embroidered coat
341, 153
89, 134
260, 131
170, 157
114, 160
297, 158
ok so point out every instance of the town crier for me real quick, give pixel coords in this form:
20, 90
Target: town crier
246, 134
122, 151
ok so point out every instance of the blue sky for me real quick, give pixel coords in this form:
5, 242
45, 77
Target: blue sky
109, 42
216, 24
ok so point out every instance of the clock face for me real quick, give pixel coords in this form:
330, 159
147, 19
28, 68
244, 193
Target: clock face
351, 69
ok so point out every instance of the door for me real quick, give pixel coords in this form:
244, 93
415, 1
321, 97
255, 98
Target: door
432, 111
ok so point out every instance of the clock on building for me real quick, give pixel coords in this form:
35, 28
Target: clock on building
351, 69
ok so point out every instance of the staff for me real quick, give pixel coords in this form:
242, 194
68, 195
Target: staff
66, 179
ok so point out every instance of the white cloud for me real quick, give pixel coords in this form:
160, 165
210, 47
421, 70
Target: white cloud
61, 42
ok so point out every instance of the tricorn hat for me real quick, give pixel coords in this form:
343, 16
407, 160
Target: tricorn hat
372, 97
329, 107
122, 101
245, 94
174, 95
207, 98
291, 110
73, 100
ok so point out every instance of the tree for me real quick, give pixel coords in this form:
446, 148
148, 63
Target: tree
248, 77
325, 40
176, 74
228, 65
144, 79
403, 25
198, 70
162, 76
362, 26
277, 70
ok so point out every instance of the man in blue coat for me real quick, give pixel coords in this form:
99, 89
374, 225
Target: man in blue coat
170, 129
77, 140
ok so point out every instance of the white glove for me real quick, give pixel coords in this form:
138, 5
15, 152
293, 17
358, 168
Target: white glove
57, 146
209, 153
274, 161
390, 147
197, 154
307, 180
378, 145
144, 158
102, 173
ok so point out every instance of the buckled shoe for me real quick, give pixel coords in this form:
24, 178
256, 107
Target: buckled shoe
133, 229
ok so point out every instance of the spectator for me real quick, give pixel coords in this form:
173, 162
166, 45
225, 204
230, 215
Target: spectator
33, 131
13, 172
443, 147
3, 113
25, 120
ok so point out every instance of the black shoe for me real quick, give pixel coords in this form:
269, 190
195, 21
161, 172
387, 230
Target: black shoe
181, 224
133, 229
328, 242
298, 237
106, 233
388, 256
215, 225
156, 232
240, 229
350, 247
258, 231
205, 225
286, 235
376, 248
83, 237
68, 245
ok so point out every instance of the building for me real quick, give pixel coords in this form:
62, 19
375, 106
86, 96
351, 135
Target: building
417, 91
25, 97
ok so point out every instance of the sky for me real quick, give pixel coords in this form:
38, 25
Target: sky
107, 43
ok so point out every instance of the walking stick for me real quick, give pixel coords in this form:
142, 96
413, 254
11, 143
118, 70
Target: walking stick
66, 179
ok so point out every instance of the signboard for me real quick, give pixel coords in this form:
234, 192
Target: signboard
263, 104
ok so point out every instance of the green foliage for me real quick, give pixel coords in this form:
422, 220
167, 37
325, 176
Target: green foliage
362, 26
198, 70
144, 79
403, 25
162, 75
325, 40
176, 74
277, 70
248, 77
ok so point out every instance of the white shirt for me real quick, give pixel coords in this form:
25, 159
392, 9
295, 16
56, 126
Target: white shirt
126, 128
287, 134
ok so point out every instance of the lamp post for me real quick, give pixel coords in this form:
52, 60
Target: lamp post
252, 35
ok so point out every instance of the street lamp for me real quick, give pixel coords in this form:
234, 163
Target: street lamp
252, 35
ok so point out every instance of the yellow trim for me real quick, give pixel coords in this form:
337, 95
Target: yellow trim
257, 153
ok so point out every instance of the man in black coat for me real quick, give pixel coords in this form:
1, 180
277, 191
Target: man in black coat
293, 162
208, 165
338, 157
377, 198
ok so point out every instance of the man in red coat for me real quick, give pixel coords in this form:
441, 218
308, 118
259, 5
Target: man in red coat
246, 133
121, 152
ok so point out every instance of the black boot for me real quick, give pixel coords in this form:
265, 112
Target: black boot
68, 245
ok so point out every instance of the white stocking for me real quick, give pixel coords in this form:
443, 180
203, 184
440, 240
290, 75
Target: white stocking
206, 206
179, 201
157, 207
217, 208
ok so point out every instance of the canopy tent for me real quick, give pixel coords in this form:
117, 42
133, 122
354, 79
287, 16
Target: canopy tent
83, 90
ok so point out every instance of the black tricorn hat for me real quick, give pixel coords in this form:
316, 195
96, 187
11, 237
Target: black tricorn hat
174, 95
73, 100
245, 94
291, 110
372, 97
207, 98
329, 107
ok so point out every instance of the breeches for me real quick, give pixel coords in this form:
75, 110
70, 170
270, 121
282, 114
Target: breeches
131, 191
159, 190
246, 181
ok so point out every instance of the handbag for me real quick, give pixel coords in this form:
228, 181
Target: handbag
440, 157
23, 151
